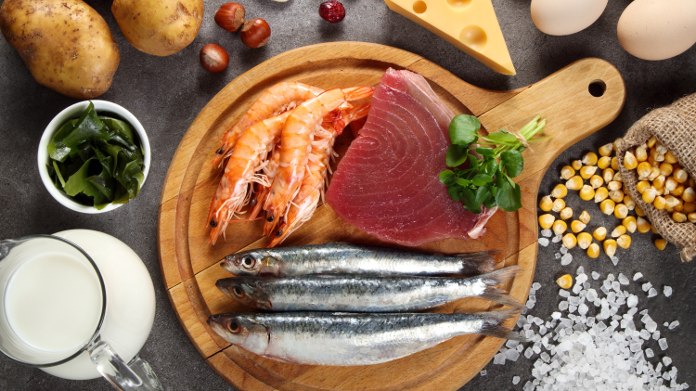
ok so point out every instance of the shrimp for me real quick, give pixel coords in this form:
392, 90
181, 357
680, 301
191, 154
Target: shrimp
296, 143
276, 100
270, 171
233, 193
313, 185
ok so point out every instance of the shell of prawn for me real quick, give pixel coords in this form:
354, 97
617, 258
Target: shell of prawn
232, 193
314, 182
274, 101
296, 144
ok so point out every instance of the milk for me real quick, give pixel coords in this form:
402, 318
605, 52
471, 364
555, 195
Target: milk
53, 302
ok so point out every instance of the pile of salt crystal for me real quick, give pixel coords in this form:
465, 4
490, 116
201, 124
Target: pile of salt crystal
601, 352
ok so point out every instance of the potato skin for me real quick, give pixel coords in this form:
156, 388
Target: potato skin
66, 44
159, 27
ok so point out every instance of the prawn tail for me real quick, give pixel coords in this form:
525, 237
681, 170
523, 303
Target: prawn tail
358, 112
358, 93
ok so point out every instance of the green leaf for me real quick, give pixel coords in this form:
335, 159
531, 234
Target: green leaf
469, 200
482, 194
453, 192
463, 182
485, 151
473, 162
88, 127
447, 177
513, 162
490, 167
456, 155
482, 180
490, 202
501, 138
78, 183
463, 129
508, 197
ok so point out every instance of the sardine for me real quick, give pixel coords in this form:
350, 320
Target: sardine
344, 339
366, 293
353, 258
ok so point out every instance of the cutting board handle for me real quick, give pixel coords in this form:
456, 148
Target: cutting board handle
576, 101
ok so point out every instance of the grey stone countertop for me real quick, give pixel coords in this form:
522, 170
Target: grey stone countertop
166, 94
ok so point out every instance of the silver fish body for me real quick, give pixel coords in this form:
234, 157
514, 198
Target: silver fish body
364, 293
343, 339
354, 258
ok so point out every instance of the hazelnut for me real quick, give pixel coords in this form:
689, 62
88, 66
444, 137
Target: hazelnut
255, 33
230, 16
214, 58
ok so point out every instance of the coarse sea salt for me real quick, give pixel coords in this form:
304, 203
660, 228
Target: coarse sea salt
604, 352
667, 290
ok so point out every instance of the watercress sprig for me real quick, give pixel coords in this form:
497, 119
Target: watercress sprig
493, 160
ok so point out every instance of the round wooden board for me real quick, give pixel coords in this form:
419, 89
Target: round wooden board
190, 265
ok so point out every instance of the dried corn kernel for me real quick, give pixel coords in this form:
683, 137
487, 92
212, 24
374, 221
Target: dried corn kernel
596, 181
671, 202
614, 163
641, 153
670, 158
577, 226
652, 141
546, 221
639, 211
567, 172
661, 149
608, 175
616, 195
600, 233
659, 202
653, 230
659, 192
606, 150
590, 159
574, 183
566, 213
607, 206
689, 207
586, 172
620, 211
644, 170
678, 191
642, 186
601, 194
609, 247
587, 193
659, 182
593, 251
680, 175
654, 173
569, 240
559, 191
660, 244
576, 164
679, 217
565, 281
692, 217
649, 195
689, 195
618, 231
630, 161
642, 225
617, 177
670, 183
546, 203
584, 240
630, 223
624, 241
666, 169
628, 201
604, 162
617, 142
559, 227
614, 185
558, 205
584, 217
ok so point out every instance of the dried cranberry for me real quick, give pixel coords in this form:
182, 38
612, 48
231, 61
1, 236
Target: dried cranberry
332, 11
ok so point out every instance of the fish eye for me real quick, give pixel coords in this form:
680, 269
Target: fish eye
238, 291
233, 327
248, 262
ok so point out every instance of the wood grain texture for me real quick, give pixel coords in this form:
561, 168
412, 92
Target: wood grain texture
190, 265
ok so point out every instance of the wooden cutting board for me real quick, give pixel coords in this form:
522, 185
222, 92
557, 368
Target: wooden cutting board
190, 265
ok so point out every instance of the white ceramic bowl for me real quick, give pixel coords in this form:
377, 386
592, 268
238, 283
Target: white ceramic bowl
74, 111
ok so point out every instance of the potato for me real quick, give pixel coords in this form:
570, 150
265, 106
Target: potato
66, 44
159, 27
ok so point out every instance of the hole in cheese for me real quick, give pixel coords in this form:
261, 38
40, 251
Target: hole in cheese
459, 4
419, 7
597, 88
474, 37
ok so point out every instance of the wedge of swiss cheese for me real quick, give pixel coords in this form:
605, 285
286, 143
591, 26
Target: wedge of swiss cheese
470, 25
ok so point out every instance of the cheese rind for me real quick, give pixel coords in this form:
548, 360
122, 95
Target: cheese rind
470, 25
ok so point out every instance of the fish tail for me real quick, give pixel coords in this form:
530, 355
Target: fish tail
500, 296
485, 260
493, 327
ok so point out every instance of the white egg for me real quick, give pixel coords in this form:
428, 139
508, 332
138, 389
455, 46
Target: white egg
658, 29
565, 17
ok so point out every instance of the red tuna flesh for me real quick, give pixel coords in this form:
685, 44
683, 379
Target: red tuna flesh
387, 184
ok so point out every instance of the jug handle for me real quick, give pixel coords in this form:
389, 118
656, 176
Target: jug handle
134, 376
7, 245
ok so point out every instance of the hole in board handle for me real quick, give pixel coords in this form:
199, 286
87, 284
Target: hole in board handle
597, 88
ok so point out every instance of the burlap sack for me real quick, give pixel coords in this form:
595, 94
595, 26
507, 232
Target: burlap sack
674, 126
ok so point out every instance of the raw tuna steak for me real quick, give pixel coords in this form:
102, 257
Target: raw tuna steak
387, 183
